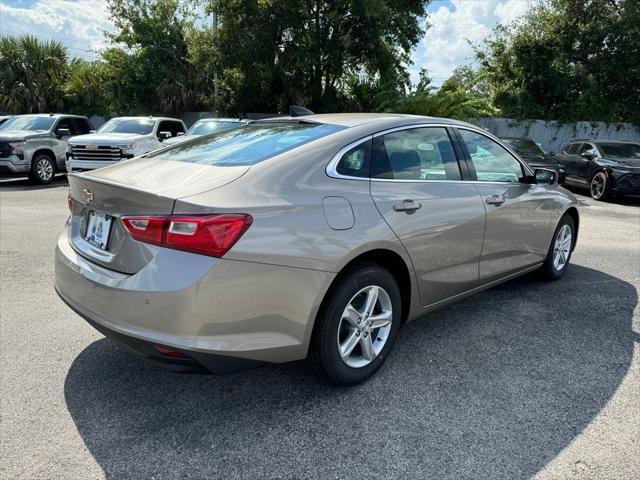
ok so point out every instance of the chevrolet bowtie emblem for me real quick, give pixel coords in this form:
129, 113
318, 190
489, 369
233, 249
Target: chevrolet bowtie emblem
87, 195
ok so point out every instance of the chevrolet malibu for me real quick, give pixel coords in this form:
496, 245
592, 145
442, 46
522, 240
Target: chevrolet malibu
304, 237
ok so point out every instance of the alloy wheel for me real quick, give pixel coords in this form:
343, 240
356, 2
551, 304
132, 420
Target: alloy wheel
44, 168
365, 326
562, 247
598, 185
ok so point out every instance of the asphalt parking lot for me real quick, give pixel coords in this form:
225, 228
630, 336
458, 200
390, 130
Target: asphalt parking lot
530, 379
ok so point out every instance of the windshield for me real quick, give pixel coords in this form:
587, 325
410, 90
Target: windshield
246, 145
28, 123
138, 126
524, 146
620, 150
206, 127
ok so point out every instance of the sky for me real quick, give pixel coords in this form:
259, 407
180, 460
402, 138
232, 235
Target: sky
79, 24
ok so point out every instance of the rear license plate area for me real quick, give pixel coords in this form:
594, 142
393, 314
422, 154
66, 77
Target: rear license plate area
98, 229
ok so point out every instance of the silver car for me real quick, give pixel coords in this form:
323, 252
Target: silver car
306, 237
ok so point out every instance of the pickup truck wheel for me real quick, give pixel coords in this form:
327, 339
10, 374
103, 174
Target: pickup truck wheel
42, 169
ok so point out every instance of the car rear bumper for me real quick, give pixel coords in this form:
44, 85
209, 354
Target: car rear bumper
220, 313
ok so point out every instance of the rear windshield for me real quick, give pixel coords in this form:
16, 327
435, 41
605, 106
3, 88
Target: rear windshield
246, 145
207, 127
138, 126
620, 150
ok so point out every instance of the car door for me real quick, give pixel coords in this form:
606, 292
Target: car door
517, 222
418, 187
572, 161
582, 166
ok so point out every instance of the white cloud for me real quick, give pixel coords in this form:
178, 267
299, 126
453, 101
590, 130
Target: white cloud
78, 24
453, 25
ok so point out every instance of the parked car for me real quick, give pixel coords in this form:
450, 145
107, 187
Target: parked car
606, 167
119, 139
207, 126
36, 144
4, 118
535, 156
304, 237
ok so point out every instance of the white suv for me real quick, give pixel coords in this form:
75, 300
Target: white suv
119, 139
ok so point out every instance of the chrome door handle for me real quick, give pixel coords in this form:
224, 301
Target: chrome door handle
408, 206
495, 200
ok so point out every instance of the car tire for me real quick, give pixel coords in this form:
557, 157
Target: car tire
600, 187
43, 169
360, 332
560, 250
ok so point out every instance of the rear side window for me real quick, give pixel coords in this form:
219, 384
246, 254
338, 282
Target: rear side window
415, 154
247, 145
355, 163
572, 148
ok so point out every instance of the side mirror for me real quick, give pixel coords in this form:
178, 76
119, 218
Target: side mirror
63, 132
164, 135
546, 176
588, 154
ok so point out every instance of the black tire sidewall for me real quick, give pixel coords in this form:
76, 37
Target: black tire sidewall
549, 270
34, 169
606, 193
324, 348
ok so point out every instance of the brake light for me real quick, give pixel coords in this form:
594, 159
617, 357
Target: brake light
212, 235
145, 229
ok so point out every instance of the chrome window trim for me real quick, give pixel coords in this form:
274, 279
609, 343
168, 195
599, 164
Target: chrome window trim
332, 172
332, 167
497, 140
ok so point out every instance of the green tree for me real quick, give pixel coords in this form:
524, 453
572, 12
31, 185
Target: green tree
33, 74
450, 100
568, 60
273, 53
84, 88
148, 68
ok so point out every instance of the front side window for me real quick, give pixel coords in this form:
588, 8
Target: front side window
586, 147
247, 145
492, 162
29, 123
138, 126
355, 163
415, 154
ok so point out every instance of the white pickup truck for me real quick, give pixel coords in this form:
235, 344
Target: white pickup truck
119, 139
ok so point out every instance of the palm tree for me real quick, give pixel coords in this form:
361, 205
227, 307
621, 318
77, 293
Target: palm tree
33, 74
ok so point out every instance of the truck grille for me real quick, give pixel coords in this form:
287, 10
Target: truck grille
5, 150
81, 152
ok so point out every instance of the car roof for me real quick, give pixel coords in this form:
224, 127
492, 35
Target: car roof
217, 119
358, 119
52, 115
149, 117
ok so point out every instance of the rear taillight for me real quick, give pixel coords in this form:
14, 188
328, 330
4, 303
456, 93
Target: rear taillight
146, 229
212, 235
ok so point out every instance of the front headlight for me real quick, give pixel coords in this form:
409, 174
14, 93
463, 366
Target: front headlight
18, 147
126, 147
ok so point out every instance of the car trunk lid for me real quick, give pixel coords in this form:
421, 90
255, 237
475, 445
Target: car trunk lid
139, 187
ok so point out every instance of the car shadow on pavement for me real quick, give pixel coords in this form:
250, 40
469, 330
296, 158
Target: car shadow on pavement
8, 183
492, 387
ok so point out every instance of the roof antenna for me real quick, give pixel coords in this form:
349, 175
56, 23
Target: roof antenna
299, 111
